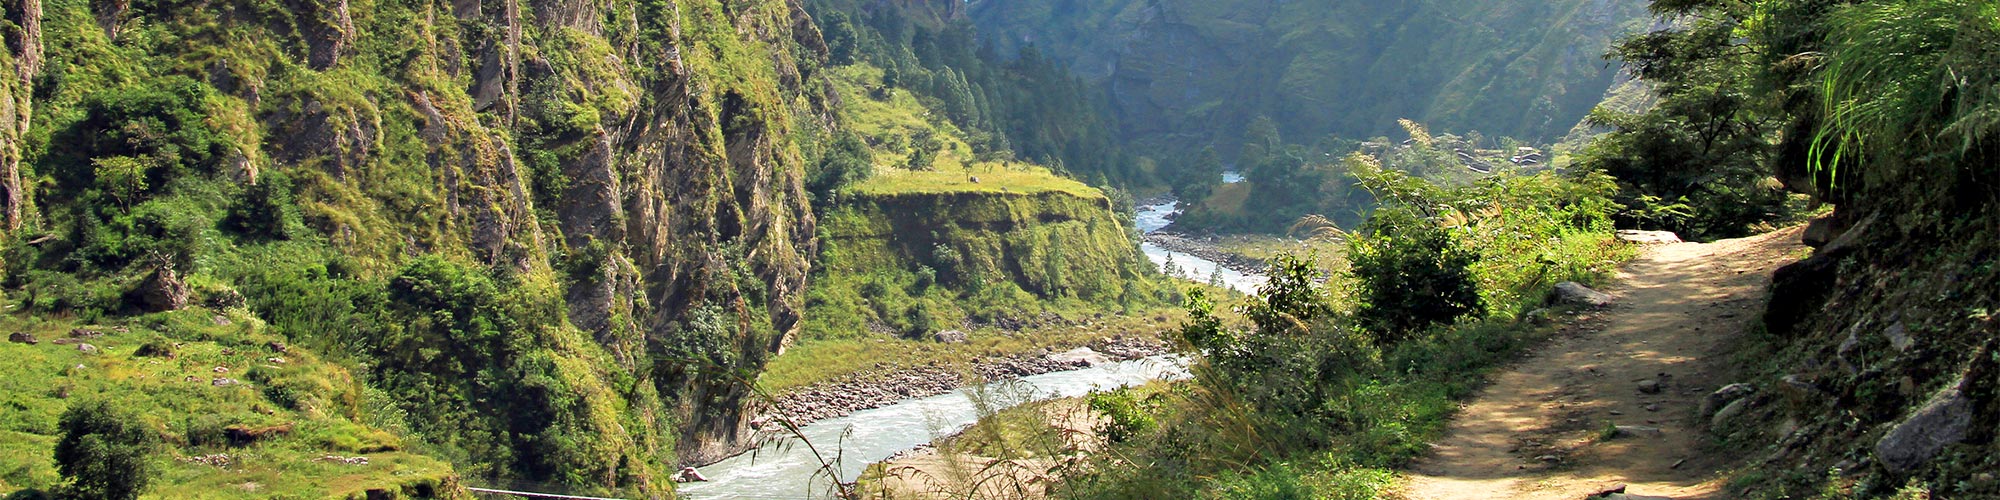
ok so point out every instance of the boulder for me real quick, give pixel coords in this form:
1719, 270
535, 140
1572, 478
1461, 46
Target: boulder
1649, 237
950, 337
23, 338
1899, 337
1944, 420
1727, 414
87, 349
1724, 396
1081, 355
1573, 293
164, 290
1822, 230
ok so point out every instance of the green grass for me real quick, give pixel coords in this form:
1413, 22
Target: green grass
994, 178
176, 397
890, 120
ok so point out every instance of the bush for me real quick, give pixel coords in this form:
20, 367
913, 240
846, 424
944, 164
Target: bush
1126, 416
103, 453
1292, 361
1412, 274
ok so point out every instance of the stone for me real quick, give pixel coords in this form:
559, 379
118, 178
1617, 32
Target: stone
1649, 386
87, 349
23, 338
1944, 420
1722, 397
1080, 356
1540, 316
1822, 231
1800, 388
1573, 293
1727, 414
224, 382
1649, 237
1625, 431
164, 290
1899, 337
950, 337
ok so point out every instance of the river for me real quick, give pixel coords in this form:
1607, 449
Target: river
1155, 217
787, 469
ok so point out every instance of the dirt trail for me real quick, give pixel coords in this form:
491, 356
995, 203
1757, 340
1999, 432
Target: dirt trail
1535, 432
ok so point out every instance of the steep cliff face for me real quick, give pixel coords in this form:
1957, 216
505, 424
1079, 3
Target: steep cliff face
618, 180
19, 64
1176, 69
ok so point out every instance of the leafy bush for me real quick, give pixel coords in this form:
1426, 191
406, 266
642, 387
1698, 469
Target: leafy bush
1295, 357
1125, 415
1412, 275
104, 453
266, 210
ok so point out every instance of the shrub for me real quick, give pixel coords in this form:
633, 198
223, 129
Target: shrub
1126, 416
1412, 274
103, 452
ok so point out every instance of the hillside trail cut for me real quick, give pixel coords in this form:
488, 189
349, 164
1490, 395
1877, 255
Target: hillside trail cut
1540, 429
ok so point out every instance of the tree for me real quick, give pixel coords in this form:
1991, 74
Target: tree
103, 453
1413, 275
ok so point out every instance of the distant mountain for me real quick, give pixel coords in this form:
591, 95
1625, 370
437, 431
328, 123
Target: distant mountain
1183, 74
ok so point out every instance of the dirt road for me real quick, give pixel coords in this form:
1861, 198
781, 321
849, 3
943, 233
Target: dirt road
1539, 431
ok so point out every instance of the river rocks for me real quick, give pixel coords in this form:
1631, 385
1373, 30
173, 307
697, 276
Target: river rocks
23, 338
1083, 355
1178, 243
1944, 420
1573, 293
1649, 237
1128, 348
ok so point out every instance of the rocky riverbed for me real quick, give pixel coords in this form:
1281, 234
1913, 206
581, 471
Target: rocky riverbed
878, 389
1203, 248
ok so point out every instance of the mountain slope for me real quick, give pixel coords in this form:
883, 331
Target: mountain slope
1183, 72
553, 233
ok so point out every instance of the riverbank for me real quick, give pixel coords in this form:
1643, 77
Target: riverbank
882, 387
1205, 248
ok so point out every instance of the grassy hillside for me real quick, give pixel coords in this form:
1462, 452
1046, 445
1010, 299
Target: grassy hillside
951, 240
204, 383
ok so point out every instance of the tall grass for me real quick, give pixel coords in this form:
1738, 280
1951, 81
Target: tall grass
1909, 85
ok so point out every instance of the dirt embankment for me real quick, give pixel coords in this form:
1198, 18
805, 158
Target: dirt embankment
1620, 403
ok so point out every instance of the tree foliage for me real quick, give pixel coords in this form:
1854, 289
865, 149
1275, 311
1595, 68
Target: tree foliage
104, 452
1413, 275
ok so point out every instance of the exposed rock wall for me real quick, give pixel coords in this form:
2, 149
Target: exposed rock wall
20, 62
